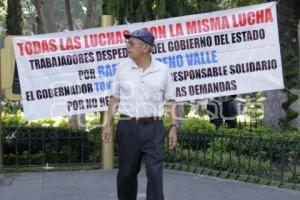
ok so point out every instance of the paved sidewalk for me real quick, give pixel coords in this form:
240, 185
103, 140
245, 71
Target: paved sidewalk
101, 185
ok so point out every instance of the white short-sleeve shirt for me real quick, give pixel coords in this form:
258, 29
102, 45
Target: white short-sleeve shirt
143, 93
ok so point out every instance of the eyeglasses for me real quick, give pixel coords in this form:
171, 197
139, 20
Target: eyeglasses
131, 44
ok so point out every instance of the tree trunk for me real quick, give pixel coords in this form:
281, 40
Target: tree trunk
14, 18
69, 15
89, 21
45, 16
75, 121
272, 108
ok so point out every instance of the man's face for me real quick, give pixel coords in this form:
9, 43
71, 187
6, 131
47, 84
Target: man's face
136, 47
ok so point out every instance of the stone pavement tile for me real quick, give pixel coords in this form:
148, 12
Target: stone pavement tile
6, 180
193, 186
3, 192
97, 185
101, 185
22, 187
28, 196
61, 197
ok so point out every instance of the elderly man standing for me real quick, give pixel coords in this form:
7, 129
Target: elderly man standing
141, 87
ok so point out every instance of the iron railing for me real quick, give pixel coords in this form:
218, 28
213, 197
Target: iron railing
24, 146
256, 159
248, 158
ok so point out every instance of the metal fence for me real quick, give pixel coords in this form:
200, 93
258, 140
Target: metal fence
24, 146
256, 159
250, 125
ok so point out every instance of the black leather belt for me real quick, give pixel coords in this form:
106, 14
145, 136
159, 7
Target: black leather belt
141, 120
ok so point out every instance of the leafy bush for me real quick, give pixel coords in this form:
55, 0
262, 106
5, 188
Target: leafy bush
232, 163
92, 121
261, 142
198, 134
16, 119
94, 146
196, 125
58, 144
42, 123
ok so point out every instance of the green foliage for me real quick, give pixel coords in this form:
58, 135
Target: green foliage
254, 107
228, 162
52, 145
13, 116
94, 145
107, 7
261, 142
171, 8
266, 148
239, 3
16, 119
14, 17
291, 69
161, 9
250, 152
291, 81
262, 132
195, 125
11, 107
92, 120
167, 122
24, 158
3, 7
187, 108
42, 123
61, 123
125, 11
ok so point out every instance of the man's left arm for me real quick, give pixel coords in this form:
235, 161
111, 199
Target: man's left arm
171, 107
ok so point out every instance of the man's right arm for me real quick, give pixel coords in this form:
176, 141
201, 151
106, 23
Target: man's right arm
109, 118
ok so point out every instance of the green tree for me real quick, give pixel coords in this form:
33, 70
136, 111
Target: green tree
3, 7
239, 3
169, 8
144, 10
291, 81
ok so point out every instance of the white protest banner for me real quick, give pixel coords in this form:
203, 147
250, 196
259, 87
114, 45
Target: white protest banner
214, 54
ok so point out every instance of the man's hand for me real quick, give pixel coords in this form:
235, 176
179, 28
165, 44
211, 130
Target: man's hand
172, 138
108, 119
106, 134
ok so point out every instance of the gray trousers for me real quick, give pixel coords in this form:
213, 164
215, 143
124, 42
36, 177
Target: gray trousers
135, 140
